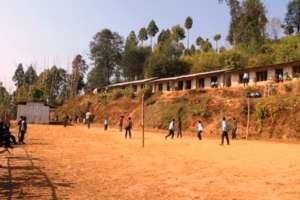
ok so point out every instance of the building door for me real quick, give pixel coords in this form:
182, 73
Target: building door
201, 83
188, 84
180, 85
227, 80
279, 75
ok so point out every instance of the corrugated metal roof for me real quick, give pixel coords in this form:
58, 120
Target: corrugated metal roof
191, 75
131, 82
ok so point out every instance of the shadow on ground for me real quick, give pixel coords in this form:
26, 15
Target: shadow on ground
20, 178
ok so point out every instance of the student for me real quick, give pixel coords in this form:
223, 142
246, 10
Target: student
88, 119
66, 120
171, 129
128, 128
22, 129
245, 79
199, 130
179, 134
121, 123
105, 124
234, 128
224, 131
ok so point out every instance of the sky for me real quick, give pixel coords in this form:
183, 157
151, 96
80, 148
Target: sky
48, 32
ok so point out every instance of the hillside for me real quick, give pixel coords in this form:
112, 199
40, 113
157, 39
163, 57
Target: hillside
276, 115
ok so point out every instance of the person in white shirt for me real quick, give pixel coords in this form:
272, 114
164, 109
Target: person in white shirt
105, 124
199, 130
224, 131
246, 79
171, 129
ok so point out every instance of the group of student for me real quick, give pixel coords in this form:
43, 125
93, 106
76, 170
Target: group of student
6, 137
200, 130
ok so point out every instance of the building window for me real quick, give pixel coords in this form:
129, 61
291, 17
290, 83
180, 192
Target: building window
168, 86
296, 71
261, 76
201, 83
188, 84
180, 85
214, 82
134, 88
160, 87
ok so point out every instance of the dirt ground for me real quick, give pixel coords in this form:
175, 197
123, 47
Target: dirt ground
76, 163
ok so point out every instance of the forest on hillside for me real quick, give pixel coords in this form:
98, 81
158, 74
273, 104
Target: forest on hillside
254, 40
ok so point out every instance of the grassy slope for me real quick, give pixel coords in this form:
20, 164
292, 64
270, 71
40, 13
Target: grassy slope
276, 116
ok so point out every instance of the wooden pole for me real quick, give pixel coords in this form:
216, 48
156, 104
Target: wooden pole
143, 121
248, 120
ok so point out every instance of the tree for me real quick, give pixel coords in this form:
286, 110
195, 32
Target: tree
30, 75
143, 35
204, 45
133, 58
216, 39
19, 76
79, 68
4, 97
178, 33
106, 49
164, 35
152, 30
188, 25
292, 18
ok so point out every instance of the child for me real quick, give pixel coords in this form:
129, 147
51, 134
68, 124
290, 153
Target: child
199, 130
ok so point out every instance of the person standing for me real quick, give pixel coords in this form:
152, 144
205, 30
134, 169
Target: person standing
66, 120
128, 128
225, 132
22, 129
245, 79
234, 128
179, 134
121, 123
105, 124
88, 119
199, 130
171, 129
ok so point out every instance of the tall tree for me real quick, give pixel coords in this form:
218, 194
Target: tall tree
217, 38
19, 76
178, 33
106, 49
188, 25
30, 75
79, 68
152, 30
292, 18
133, 58
143, 35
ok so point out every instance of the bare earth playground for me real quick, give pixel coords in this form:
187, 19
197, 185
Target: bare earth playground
77, 163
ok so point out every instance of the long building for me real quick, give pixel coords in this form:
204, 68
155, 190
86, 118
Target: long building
258, 75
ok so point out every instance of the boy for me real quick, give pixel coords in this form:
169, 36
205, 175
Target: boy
171, 129
199, 130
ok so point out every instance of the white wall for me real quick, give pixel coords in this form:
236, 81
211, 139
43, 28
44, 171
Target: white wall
36, 113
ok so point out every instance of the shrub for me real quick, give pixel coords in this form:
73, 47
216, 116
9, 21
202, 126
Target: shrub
117, 93
128, 92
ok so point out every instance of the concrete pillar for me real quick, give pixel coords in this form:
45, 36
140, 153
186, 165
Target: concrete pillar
194, 84
271, 74
288, 71
175, 85
221, 80
235, 79
165, 86
184, 84
207, 82
252, 78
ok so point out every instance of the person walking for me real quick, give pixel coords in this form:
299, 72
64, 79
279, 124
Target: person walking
225, 132
105, 124
171, 129
121, 123
179, 134
245, 79
128, 128
199, 130
234, 128
88, 119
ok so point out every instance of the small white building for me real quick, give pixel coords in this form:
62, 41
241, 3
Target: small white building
35, 112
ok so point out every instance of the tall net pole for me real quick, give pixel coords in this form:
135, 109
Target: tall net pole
143, 121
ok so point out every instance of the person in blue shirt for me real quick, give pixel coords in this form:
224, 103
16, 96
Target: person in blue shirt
224, 132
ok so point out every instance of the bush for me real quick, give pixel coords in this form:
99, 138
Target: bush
117, 93
128, 92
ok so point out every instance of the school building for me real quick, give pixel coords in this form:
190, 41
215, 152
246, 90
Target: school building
259, 75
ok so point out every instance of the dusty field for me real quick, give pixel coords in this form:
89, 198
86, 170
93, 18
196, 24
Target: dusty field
76, 163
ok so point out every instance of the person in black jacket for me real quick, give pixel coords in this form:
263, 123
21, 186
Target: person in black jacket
128, 128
